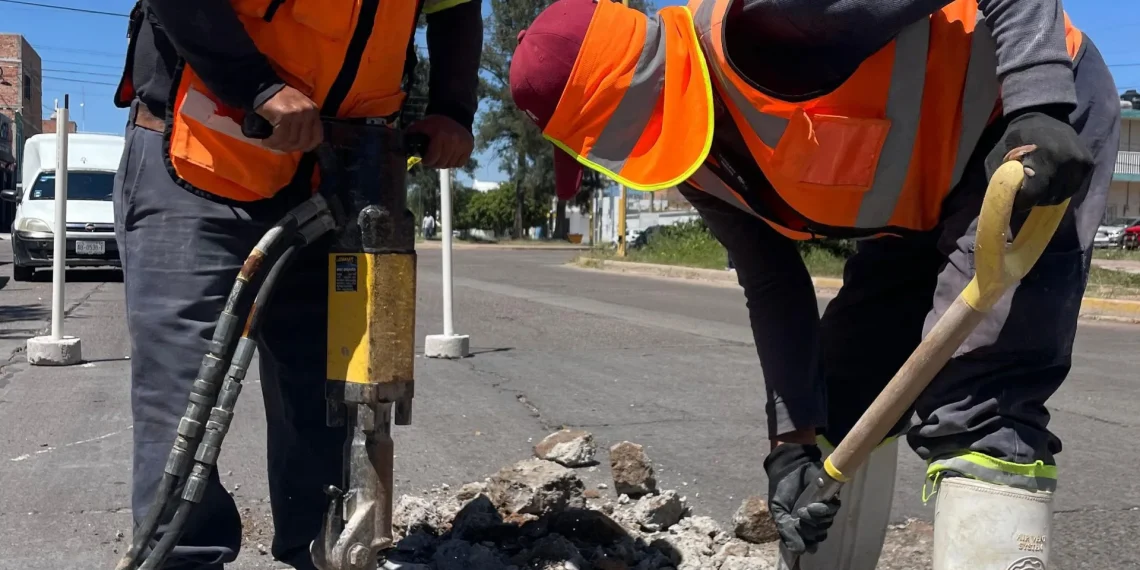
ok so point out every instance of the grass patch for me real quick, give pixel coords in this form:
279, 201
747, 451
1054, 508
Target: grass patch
1117, 254
691, 245
1109, 284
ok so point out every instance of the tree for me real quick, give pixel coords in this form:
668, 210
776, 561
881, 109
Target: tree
423, 183
502, 128
495, 210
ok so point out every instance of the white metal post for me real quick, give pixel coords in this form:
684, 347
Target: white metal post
445, 213
56, 349
448, 344
60, 251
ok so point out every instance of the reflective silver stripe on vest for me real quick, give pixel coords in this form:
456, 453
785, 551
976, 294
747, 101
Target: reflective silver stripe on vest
904, 110
634, 111
979, 95
769, 128
904, 107
711, 184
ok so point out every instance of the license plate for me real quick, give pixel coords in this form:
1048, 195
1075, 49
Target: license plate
90, 247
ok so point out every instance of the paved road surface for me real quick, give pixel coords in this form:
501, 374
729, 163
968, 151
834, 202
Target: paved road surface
663, 363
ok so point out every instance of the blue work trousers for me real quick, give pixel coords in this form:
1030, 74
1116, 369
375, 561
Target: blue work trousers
181, 253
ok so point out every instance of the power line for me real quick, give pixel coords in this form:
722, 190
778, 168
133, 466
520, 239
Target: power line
84, 81
66, 8
82, 64
114, 75
76, 50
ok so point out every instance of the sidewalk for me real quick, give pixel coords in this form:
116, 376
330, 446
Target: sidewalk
1091, 307
1125, 265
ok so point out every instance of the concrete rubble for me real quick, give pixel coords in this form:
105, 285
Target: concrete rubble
632, 471
538, 515
569, 448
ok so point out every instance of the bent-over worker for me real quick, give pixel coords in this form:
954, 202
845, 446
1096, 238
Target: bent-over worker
193, 196
784, 120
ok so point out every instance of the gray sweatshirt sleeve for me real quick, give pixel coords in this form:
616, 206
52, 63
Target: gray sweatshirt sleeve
1033, 61
835, 36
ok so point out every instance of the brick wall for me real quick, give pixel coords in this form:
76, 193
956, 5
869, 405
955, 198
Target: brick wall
21, 95
21, 88
49, 126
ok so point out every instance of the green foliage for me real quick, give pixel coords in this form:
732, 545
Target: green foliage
502, 128
692, 244
495, 210
423, 183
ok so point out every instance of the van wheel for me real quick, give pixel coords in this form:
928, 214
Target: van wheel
22, 273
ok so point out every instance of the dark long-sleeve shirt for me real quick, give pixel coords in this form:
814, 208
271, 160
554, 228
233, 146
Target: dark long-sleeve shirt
209, 36
820, 44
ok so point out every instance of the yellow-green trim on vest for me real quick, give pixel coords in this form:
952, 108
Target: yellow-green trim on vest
594, 163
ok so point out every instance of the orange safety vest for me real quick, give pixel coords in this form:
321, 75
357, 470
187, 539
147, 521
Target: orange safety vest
875, 156
348, 56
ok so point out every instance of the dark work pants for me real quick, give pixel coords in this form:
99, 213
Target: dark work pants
180, 255
990, 399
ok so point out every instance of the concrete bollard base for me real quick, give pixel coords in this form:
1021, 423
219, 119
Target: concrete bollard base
447, 346
46, 351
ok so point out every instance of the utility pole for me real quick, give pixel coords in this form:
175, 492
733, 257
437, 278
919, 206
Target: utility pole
621, 204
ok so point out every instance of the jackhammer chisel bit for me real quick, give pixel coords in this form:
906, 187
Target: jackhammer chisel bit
371, 346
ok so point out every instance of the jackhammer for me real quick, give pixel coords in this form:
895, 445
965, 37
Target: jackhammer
370, 348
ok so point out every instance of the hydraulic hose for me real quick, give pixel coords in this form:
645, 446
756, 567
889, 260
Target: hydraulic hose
205, 389
210, 409
222, 415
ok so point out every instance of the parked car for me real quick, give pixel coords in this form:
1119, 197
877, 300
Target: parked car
1131, 239
644, 236
1111, 233
93, 161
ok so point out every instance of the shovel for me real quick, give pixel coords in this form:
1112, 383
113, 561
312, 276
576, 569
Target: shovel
998, 267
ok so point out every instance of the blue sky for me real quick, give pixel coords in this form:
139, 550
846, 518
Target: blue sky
83, 53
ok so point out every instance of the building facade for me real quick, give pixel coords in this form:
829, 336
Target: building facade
1124, 194
21, 105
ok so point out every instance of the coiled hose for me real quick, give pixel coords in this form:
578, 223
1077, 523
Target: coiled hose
222, 414
204, 391
212, 400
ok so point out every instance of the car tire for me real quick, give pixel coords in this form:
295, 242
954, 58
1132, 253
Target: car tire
22, 273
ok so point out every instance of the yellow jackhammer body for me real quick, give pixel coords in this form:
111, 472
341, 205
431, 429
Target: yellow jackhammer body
370, 359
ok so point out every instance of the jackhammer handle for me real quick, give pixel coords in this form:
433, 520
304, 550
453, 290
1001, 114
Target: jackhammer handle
416, 144
255, 126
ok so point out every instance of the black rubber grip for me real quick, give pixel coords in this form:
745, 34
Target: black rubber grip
416, 144
255, 126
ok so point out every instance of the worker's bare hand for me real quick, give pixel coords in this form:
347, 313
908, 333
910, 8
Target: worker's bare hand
296, 121
451, 144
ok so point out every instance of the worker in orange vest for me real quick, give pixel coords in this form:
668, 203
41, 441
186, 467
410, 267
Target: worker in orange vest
782, 121
196, 191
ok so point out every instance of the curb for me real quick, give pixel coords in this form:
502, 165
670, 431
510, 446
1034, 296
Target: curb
1092, 308
423, 245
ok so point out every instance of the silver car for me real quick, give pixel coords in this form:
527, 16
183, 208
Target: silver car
1111, 233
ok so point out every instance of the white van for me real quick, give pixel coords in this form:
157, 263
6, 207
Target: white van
93, 161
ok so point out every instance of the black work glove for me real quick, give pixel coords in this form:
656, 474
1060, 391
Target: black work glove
1060, 165
791, 469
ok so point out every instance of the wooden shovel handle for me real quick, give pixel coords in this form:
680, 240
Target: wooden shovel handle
998, 268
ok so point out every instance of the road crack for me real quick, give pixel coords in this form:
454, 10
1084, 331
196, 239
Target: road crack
520, 396
1124, 509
